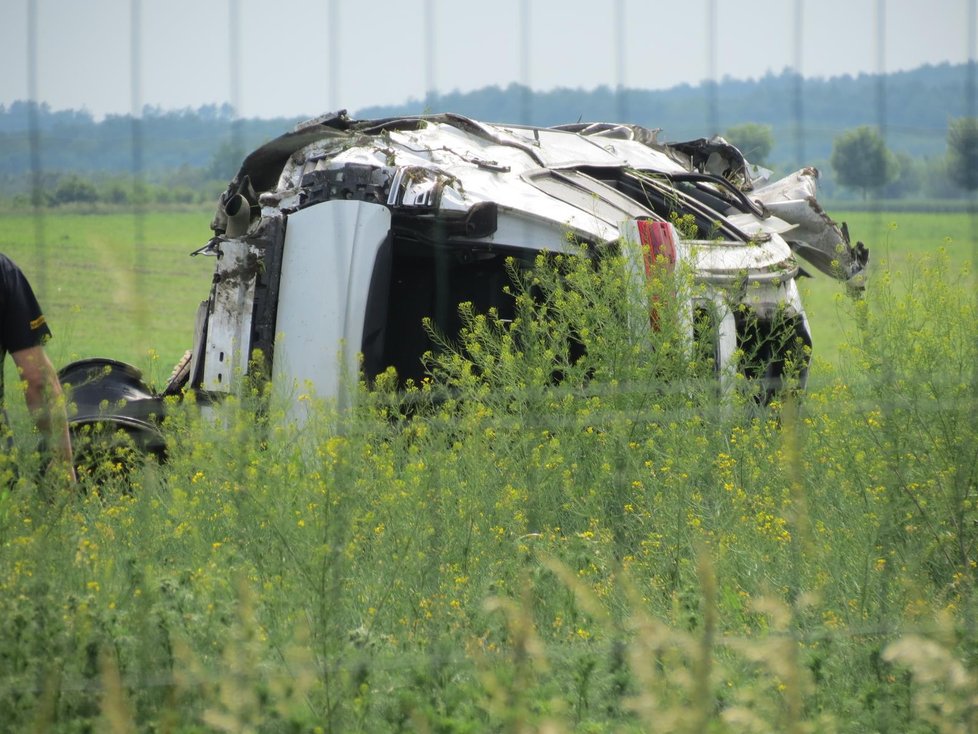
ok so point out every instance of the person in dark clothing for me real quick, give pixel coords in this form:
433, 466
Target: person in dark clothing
23, 332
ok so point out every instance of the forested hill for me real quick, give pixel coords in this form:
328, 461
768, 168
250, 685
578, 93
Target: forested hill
208, 138
918, 105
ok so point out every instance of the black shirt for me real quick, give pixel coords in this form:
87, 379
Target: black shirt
22, 324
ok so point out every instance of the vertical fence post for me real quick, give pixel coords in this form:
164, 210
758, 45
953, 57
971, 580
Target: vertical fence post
333, 35
799, 100
34, 134
526, 96
234, 76
430, 92
712, 84
621, 99
140, 194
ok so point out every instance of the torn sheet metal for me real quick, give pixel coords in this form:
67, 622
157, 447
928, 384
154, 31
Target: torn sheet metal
451, 200
816, 237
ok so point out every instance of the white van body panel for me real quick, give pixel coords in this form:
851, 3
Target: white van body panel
447, 202
327, 263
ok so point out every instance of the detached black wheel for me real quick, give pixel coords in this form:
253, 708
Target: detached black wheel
113, 417
105, 450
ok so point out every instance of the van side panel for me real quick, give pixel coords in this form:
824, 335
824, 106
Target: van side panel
327, 264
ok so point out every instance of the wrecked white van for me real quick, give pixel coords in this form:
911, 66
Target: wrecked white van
334, 241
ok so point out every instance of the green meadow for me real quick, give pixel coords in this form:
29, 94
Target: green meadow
126, 288
896, 242
113, 285
490, 551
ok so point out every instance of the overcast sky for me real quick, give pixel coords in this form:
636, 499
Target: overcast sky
305, 57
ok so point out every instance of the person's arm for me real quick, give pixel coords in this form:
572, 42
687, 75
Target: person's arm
46, 402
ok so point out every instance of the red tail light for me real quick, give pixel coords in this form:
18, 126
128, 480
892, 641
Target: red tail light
658, 240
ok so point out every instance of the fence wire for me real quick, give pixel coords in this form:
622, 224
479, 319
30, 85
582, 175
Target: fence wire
525, 23
35, 146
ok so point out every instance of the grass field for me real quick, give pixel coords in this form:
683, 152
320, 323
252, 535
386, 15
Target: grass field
609, 554
895, 242
107, 297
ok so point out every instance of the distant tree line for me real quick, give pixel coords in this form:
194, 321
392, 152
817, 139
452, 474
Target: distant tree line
916, 104
184, 154
188, 155
861, 163
59, 189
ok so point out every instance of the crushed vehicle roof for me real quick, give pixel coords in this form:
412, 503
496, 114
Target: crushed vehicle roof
586, 177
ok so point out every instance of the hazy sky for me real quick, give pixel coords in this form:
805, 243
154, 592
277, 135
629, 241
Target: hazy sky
301, 57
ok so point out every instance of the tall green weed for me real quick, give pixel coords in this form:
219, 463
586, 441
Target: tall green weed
565, 528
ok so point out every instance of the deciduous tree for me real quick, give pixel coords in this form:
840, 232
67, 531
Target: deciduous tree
962, 152
862, 161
